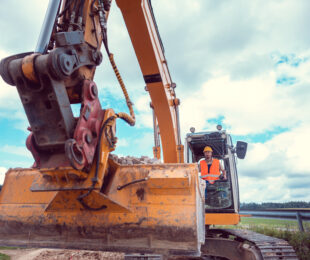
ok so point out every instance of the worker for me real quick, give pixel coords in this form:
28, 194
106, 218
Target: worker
210, 168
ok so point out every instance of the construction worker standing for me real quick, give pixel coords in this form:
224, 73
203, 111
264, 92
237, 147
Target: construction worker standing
210, 168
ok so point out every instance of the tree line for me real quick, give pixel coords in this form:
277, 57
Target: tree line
274, 205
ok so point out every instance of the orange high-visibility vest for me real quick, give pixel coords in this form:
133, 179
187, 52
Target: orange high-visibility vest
214, 173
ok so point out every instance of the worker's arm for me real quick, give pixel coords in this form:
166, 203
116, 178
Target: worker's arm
223, 171
198, 163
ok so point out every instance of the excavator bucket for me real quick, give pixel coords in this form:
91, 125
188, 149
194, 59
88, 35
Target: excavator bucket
141, 208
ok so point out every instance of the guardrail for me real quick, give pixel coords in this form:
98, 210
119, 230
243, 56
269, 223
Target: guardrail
297, 214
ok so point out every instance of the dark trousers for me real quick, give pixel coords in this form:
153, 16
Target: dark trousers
207, 184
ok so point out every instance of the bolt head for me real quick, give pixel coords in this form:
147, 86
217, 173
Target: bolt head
88, 138
94, 91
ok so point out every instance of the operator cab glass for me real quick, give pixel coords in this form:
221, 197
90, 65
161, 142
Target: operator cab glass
218, 194
222, 195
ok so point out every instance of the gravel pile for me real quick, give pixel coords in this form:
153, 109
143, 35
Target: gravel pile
130, 160
78, 255
59, 254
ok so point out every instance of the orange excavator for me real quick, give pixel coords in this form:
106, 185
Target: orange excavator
76, 195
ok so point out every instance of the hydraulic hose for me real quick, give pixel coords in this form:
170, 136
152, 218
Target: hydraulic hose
130, 119
95, 178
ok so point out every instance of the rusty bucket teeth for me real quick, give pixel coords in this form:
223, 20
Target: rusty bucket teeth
142, 208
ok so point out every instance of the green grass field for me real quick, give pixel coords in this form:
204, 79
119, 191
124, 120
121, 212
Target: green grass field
290, 225
4, 257
281, 224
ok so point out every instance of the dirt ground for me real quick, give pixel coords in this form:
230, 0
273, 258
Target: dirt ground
60, 254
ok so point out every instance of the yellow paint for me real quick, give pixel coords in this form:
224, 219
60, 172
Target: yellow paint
28, 67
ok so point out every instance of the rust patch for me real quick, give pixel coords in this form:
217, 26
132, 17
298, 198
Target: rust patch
140, 193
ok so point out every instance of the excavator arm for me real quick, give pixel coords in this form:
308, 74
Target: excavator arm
67, 53
75, 195
143, 31
60, 73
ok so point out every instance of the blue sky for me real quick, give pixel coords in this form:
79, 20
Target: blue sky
240, 63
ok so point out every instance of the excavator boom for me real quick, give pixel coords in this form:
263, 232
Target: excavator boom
142, 28
75, 195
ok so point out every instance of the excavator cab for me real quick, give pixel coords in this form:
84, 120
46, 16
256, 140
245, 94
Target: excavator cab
223, 195
221, 203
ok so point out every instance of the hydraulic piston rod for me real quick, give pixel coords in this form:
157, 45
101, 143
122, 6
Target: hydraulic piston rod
48, 25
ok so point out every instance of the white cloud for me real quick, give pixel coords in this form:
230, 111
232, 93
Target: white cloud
143, 103
145, 120
10, 105
278, 170
250, 105
262, 190
143, 111
16, 150
2, 174
122, 143
8, 95
20, 24
229, 36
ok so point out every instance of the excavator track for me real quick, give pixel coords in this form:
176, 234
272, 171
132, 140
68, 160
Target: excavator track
236, 244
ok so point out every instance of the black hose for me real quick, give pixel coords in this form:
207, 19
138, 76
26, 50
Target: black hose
132, 182
65, 9
81, 197
95, 179
75, 5
81, 7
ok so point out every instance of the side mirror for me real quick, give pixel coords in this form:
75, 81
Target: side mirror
241, 149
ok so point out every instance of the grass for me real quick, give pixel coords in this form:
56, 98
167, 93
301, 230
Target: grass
8, 247
290, 225
283, 229
4, 257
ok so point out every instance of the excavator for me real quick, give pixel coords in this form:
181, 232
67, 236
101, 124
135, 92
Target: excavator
76, 195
